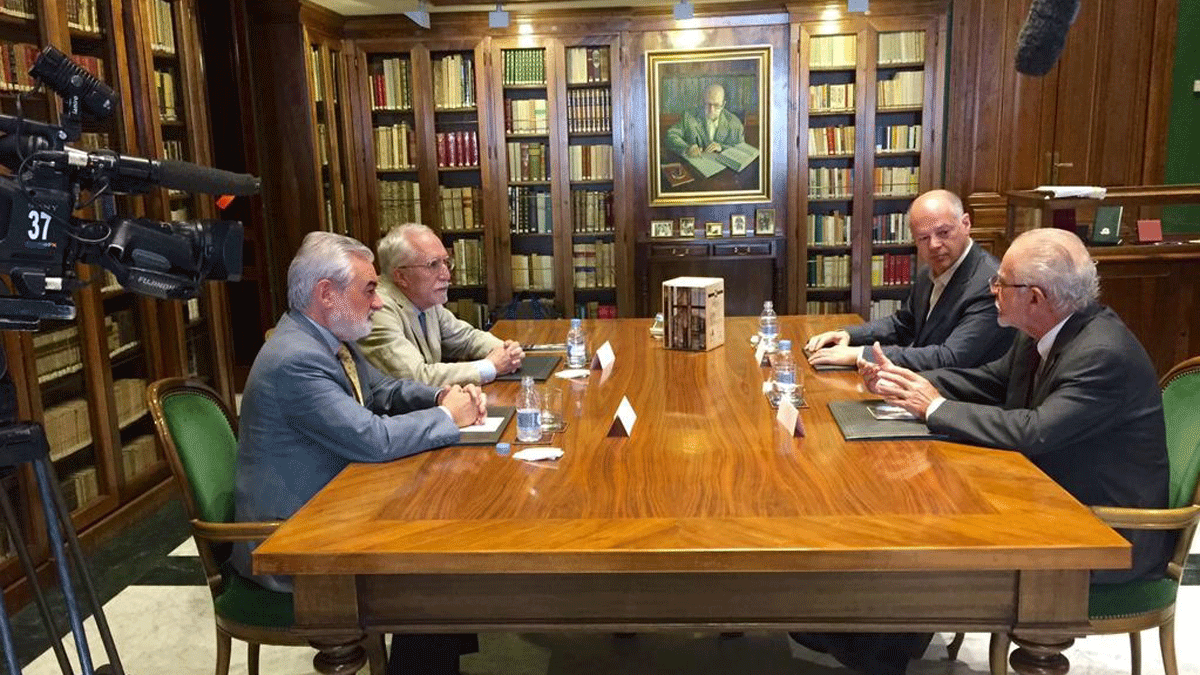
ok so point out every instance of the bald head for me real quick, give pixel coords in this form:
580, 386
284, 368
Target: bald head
1057, 262
937, 201
714, 101
940, 229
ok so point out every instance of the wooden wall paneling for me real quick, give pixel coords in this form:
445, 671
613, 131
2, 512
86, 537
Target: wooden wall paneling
350, 149
496, 190
625, 235
489, 168
560, 175
1162, 66
794, 224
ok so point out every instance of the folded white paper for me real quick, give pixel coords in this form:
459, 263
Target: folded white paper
487, 426
572, 373
1084, 191
538, 453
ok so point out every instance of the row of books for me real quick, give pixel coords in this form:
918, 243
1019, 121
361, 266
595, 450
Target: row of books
469, 266
886, 307
318, 73
833, 51
824, 141
471, 311
902, 47
453, 82
164, 84
395, 147
460, 208
323, 143
829, 229
80, 488
587, 64
595, 264
162, 24
590, 162
529, 211
129, 394
391, 84
900, 181
524, 66
828, 271
830, 97
827, 307
594, 309
525, 116
891, 228
527, 161
25, 9
138, 455
399, 202
892, 269
68, 427
16, 58
191, 311
173, 150
589, 111
81, 14
92, 140
591, 211
828, 181
533, 272
457, 148
905, 88
898, 137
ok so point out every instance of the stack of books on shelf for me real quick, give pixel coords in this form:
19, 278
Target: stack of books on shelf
828, 271
122, 331
533, 272
323, 143
527, 161
524, 66
591, 211
457, 148
594, 264
890, 228
469, 268
460, 208
525, 116
529, 211
892, 269
163, 25
898, 138
68, 427
138, 455
391, 84
824, 141
395, 147
173, 150
399, 202
56, 352
594, 309
905, 88
897, 181
832, 51
589, 111
474, 313
81, 14
827, 307
17, 58
882, 308
80, 488
590, 162
827, 181
24, 9
130, 396
453, 82
822, 97
164, 81
905, 47
828, 229
587, 65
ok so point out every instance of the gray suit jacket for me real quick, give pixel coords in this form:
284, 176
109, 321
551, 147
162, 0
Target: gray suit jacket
1094, 422
397, 346
960, 331
300, 425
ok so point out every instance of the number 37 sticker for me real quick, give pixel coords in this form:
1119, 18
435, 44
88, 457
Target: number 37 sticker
39, 226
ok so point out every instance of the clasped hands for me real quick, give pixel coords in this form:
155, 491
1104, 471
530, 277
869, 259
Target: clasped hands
695, 151
507, 357
898, 386
467, 404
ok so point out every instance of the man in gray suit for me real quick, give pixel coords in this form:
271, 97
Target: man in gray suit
412, 334
713, 130
948, 317
312, 405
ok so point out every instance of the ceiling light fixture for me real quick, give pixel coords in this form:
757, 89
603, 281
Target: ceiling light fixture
498, 18
420, 15
684, 10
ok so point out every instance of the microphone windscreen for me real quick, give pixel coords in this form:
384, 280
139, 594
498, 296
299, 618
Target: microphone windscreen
1044, 35
195, 178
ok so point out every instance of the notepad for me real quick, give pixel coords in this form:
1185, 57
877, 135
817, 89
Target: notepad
498, 417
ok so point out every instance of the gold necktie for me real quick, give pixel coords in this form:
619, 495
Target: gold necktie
347, 360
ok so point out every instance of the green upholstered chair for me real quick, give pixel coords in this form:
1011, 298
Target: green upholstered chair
1134, 606
199, 434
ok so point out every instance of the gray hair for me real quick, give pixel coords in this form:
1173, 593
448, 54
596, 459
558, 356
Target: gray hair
322, 255
396, 248
1057, 262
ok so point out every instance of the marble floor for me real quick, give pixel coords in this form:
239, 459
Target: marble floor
161, 617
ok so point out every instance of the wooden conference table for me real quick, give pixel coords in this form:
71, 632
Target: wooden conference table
708, 516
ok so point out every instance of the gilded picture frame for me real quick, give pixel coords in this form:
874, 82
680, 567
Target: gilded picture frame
708, 125
687, 227
764, 222
664, 228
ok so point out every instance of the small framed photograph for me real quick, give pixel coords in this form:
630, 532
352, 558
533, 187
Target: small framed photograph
764, 222
662, 228
713, 228
687, 227
737, 225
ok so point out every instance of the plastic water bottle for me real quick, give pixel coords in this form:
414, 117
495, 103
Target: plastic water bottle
576, 346
784, 374
768, 325
529, 412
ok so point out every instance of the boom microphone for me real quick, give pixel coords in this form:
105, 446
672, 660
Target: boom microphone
138, 172
1044, 35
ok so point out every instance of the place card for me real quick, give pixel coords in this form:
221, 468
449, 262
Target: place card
623, 421
604, 357
760, 353
789, 417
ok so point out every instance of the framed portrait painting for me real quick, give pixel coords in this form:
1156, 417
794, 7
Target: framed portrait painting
737, 225
662, 228
764, 222
709, 125
687, 227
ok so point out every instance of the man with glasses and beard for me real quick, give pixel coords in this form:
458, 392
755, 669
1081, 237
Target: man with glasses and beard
413, 335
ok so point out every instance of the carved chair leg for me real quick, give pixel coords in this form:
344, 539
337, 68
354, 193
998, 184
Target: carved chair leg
224, 646
1135, 653
1166, 638
954, 646
252, 658
998, 654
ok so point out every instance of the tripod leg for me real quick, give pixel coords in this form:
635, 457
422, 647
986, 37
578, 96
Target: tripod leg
6, 640
14, 532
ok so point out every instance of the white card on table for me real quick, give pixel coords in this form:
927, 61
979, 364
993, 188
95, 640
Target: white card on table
623, 421
789, 417
604, 357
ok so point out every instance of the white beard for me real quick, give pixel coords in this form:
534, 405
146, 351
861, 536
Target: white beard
346, 328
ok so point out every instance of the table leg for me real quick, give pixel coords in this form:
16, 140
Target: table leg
339, 655
1040, 657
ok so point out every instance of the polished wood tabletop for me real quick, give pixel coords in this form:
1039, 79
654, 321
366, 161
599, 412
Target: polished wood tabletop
708, 513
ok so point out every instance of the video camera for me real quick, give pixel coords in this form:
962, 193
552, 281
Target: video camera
40, 241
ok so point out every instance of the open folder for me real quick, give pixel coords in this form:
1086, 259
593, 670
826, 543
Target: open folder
876, 420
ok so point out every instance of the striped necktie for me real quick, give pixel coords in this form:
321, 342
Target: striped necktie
343, 354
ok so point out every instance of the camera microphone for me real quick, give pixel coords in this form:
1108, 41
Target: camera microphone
138, 174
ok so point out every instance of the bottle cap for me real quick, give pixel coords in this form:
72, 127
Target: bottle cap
768, 304
785, 344
502, 449
574, 323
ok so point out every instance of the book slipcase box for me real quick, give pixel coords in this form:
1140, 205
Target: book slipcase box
694, 309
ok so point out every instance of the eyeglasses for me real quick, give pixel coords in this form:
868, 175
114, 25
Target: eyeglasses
995, 283
434, 264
